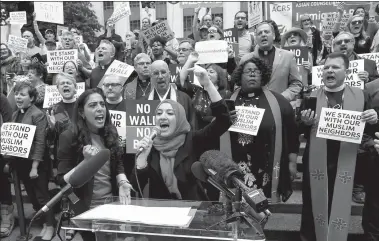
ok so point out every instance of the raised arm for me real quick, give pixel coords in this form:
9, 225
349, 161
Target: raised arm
36, 30
195, 31
337, 25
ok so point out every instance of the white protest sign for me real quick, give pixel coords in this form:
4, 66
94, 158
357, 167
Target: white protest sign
58, 58
255, 13
118, 119
120, 12
78, 39
17, 44
371, 56
213, 51
17, 17
118, 68
51, 12
162, 29
351, 79
341, 125
60, 29
248, 120
204, 4
281, 13
52, 95
330, 19
16, 139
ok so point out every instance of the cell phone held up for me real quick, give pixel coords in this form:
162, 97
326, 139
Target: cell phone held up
230, 104
310, 102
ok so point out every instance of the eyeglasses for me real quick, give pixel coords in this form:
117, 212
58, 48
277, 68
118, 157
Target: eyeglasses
143, 63
254, 71
357, 22
212, 31
156, 73
294, 34
242, 18
346, 41
182, 49
113, 85
306, 20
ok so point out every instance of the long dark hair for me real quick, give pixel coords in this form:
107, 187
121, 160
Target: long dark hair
81, 132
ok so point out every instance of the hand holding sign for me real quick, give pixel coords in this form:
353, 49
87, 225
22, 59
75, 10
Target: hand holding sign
363, 75
377, 141
370, 116
340, 7
308, 117
306, 65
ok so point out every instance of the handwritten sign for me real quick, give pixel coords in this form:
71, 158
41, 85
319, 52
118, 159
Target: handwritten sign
58, 58
200, 4
301, 53
248, 120
16, 139
330, 20
231, 35
162, 29
371, 56
52, 95
213, 51
60, 29
118, 119
341, 125
118, 68
351, 79
140, 121
17, 44
255, 13
51, 12
120, 12
78, 39
17, 17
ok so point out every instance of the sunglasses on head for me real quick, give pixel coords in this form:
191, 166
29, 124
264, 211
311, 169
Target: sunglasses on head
357, 22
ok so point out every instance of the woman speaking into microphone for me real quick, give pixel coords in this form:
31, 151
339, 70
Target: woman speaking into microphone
167, 159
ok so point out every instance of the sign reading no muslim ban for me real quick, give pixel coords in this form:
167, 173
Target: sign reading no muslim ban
248, 120
51, 12
213, 51
204, 4
16, 139
118, 119
58, 58
120, 12
301, 53
52, 95
118, 68
371, 56
351, 79
231, 35
140, 121
17, 44
341, 125
17, 17
162, 29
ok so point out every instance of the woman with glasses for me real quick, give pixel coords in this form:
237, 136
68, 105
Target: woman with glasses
313, 33
159, 51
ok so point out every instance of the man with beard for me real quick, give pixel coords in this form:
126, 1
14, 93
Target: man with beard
245, 39
32, 48
140, 87
105, 55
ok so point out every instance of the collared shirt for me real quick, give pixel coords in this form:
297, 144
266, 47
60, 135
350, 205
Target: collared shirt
267, 56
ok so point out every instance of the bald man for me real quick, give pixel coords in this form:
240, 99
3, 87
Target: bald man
32, 48
163, 89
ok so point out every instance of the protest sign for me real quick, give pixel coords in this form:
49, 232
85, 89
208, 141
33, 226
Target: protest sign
60, 30
255, 13
52, 95
330, 20
17, 17
118, 68
351, 79
78, 39
16, 139
341, 125
140, 121
175, 70
37, 58
147, 10
162, 29
281, 13
118, 119
371, 56
17, 44
212, 51
231, 35
248, 120
120, 12
51, 12
200, 4
301, 53
58, 58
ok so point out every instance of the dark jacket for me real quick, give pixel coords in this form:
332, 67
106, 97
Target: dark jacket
5, 109
97, 74
196, 143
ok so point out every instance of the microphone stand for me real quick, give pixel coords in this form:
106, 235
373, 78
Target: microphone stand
67, 213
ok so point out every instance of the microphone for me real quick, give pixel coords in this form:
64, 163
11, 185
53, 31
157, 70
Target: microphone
156, 131
224, 170
82, 173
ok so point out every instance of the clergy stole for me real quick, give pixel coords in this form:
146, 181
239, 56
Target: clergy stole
338, 227
131, 90
225, 144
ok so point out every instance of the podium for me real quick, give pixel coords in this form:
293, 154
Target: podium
201, 227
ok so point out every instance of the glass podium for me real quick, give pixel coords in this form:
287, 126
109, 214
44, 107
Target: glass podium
206, 224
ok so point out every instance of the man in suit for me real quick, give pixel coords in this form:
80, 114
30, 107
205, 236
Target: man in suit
285, 77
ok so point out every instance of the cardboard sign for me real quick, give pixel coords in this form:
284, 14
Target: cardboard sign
118, 119
248, 120
255, 13
60, 29
78, 39
200, 4
17, 17
58, 58
341, 125
17, 44
301, 53
120, 12
52, 95
231, 35
371, 56
140, 121
351, 79
213, 51
16, 139
118, 68
51, 12
330, 19
162, 29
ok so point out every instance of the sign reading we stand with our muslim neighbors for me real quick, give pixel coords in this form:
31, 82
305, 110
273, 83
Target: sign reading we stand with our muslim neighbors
140, 121
341, 125
162, 29
17, 44
16, 139
58, 58
52, 95
371, 56
248, 120
118, 119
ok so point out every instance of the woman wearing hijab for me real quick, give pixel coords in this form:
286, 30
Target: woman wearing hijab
166, 161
